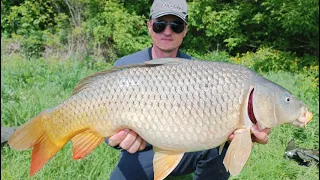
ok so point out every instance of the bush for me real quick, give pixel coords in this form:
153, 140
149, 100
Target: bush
220, 56
26, 17
240, 26
268, 59
109, 23
116, 28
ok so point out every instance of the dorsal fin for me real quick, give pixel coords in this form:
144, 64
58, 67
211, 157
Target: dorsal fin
162, 61
152, 63
88, 80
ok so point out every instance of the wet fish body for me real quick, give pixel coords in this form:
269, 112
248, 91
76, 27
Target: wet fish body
174, 104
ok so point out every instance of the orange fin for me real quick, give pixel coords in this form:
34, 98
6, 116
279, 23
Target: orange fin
84, 143
42, 152
164, 162
31, 134
238, 151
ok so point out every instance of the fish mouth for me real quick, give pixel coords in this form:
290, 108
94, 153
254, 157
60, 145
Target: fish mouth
304, 118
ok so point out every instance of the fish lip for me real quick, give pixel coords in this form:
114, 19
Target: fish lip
304, 118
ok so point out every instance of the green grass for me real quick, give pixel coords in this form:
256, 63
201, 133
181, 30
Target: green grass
30, 86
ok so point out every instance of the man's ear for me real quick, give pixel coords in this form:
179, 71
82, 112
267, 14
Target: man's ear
149, 25
186, 30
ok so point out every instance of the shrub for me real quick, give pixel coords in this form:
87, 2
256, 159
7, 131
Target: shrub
268, 59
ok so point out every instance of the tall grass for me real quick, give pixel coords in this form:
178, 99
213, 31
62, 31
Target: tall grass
30, 86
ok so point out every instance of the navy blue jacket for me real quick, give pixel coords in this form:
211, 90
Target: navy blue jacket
142, 56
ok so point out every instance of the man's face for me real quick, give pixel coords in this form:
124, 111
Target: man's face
167, 40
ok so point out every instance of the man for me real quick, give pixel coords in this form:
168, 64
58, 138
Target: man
168, 25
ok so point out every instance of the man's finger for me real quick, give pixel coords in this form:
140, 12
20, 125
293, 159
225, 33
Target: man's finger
143, 145
267, 130
260, 136
117, 138
230, 137
135, 146
129, 140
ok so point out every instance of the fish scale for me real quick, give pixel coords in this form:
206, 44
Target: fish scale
188, 103
174, 104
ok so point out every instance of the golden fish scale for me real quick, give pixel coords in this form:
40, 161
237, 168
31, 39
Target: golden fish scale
187, 107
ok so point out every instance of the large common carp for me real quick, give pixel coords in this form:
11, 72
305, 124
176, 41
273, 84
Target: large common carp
176, 105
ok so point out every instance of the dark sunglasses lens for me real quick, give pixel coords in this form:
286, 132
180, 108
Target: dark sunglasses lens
158, 27
177, 27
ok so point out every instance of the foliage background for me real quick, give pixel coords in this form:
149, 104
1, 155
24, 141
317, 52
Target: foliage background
47, 46
110, 29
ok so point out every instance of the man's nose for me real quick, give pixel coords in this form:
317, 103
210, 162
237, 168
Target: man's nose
167, 30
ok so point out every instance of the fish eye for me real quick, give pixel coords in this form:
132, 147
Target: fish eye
287, 99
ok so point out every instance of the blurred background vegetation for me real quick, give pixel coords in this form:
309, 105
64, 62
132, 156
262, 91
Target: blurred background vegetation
108, 29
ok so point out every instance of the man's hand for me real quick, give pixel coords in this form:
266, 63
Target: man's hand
258, 136
128, 140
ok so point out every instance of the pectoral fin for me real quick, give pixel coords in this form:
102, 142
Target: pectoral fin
238, 151
164, 162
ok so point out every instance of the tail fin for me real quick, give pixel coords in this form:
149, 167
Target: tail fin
32, 134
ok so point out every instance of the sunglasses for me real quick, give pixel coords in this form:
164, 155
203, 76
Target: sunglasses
176, 26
